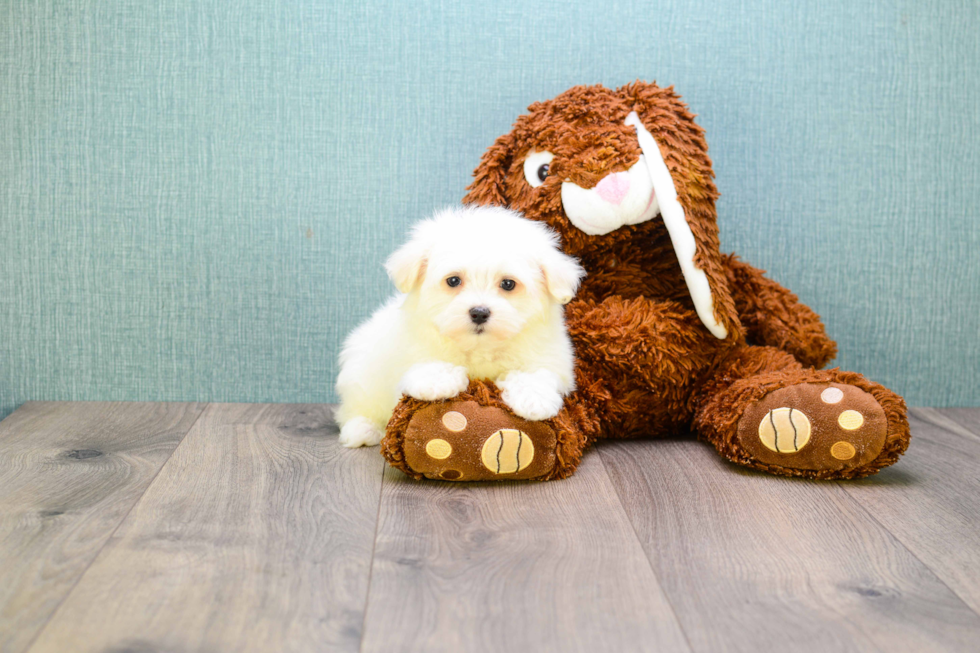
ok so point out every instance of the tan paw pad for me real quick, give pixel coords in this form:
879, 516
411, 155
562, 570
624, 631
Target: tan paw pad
454, 421
438, 449
843, 450
832, 395
784, 430
850, 420
507, 451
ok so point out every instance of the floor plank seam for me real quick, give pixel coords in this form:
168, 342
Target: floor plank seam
639, 543
924, 415
78, 581
871, 515
374, 547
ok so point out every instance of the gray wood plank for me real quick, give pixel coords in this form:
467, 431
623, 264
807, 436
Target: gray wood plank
255, 536
512, 567
967, 417
931, 500
964, 422
753, 562
69, 474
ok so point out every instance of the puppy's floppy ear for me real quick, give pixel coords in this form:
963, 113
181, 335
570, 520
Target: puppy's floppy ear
406, 266
562, 274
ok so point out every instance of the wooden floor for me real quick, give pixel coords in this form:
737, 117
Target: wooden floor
229, 527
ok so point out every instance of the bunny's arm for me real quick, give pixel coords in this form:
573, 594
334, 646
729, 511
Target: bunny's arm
775, 317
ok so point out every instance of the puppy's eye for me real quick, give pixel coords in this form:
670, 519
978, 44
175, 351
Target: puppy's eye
508, 284
452, 282
536, 167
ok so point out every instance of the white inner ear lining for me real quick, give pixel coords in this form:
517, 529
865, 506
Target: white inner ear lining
680, 231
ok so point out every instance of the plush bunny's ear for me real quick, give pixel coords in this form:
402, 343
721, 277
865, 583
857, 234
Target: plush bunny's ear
406, 266
488, 187
680, 171
562, 275
681, 236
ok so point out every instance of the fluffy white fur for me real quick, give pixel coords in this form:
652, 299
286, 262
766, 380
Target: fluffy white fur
424, 342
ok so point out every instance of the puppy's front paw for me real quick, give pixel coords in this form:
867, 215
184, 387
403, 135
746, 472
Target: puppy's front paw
434, 381
533, 396
360, 432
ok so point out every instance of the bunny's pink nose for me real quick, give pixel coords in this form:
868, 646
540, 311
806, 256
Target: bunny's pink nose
613, 188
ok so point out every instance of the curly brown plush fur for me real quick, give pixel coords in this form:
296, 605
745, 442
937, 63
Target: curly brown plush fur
647, 365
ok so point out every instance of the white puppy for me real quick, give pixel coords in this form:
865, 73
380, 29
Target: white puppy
482, 293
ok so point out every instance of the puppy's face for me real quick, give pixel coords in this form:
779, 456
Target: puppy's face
481, 275
470, 295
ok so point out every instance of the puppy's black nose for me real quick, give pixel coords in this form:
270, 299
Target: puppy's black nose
479, 314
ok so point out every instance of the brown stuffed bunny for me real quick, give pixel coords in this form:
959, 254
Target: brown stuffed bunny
671, 335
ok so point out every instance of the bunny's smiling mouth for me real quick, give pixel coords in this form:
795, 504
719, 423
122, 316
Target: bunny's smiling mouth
620, 198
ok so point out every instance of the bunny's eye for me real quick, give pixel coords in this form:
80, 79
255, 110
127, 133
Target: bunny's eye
536, 167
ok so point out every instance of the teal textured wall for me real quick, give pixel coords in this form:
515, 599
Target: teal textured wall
196, 196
